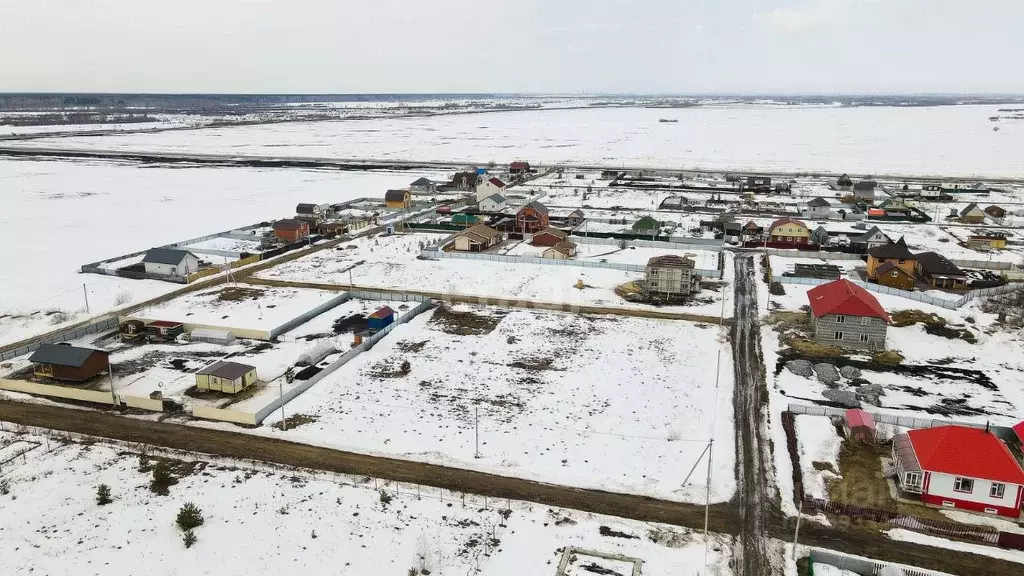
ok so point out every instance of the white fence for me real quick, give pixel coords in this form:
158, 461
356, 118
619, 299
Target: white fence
784, 253
864, 566
916, 296
879, 417
708, 244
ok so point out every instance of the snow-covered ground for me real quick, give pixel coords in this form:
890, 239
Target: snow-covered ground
152, 206
264, 522
818, 442
903, 535
945, 140
623, 404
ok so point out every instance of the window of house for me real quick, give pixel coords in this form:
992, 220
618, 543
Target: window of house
997, 490
912, 480
840, 319
839, 335
865, 321
903, 261
863, 337
895, 274
965, 485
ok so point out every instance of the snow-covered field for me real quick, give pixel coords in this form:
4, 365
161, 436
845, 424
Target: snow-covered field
946, 140
818, 442
80, 202
623, 404
265, 522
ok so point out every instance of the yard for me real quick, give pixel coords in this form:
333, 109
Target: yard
552, 390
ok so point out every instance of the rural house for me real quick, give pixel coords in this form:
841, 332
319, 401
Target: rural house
864, 191
844, 183
170, 262
846, 315
489, 187
493, 203
972, 214
464, 181
939, 272
891, 275
859, 425
817, 208
229, 377
752, 230
959, 467
313, 211
561, 251
996, 211
820, 236
671, 276
758, 184
789, 231
990, 241
477, 239
397, 199
423, 186
895, 252
549, 237
291, 230
72, 363
531, 218
870, 240
575, 218
519, 168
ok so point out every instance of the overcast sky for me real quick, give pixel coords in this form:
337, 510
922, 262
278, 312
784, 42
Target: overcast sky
547, 46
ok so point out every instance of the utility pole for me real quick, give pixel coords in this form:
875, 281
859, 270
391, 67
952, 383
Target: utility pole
796, 533
477, 433
86, 294
280, 398
110, 373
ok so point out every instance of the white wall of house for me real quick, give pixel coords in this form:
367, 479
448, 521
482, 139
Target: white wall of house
489, 205
188, 265
486, 188
943, 485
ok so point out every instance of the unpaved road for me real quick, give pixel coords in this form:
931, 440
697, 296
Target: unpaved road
753, 489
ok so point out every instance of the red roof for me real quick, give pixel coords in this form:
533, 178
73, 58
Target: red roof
164, 324
962, 451
856, 418
383, 312
1019, 430
783, 221
519, 164
844, 297
497, 182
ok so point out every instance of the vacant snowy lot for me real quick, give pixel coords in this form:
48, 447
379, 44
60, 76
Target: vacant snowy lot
947, 140
262, 522
623, 404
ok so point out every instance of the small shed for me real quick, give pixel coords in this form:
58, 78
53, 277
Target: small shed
222, 337
549, 237
164, 330
397, 199
132, 331
229, 377
859, 425
170, 262
381, 318
74, 363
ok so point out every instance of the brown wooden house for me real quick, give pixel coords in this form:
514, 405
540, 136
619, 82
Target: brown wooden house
996, 211
532, 218
71, 363
549, 237
891, 275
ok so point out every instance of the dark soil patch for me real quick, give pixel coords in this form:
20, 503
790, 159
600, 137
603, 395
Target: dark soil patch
466, 323
606, 531
534, 364
821, 466
261, 347
240, 293
407, 346
353, 323
923, 371
593, 567
296, 420
307, 372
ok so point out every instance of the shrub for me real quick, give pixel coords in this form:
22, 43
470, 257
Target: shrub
162, 478
5, 487
189, 538
406, 367
189, 517
385, 499
143, 463
123, 297
103, 494
59, 317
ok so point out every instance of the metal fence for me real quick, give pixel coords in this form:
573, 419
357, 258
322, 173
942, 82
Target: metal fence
864, 566
708, 244
922, 297
896, 420
99, 325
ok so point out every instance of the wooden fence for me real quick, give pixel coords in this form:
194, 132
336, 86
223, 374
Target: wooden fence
980, 534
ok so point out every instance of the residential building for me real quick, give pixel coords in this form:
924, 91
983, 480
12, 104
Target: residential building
560, 251
844, 184
291, 230
381, 318
991, 241
891, 275
751, 230
789, 231
464, 181
519, 168
895, 252
869, 240
72, 363
423, 186
170, 262
575, 218
493, 203
397, 199
671, 276
489, 187
531, 218
477, 239
313, 211
549, 237
939, 272
959, 467
817, 208
997, 212
759, 184
844, 314
972, 214
820, 236
228, 377
859, 425
864, 191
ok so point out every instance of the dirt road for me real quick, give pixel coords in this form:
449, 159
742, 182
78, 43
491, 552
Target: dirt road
754, 493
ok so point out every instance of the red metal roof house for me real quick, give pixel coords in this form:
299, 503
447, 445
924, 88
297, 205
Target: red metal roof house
847, 315
959, 467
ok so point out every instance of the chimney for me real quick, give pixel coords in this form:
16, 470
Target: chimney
986, 427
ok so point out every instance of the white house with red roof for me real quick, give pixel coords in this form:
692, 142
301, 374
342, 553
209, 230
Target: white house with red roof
489, 187
846, 315
959, 467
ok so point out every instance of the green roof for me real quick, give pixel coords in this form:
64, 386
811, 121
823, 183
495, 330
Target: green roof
464, 219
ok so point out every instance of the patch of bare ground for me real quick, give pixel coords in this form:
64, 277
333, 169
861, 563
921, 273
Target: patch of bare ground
239, 293
465, 323
408, 346
296, 420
